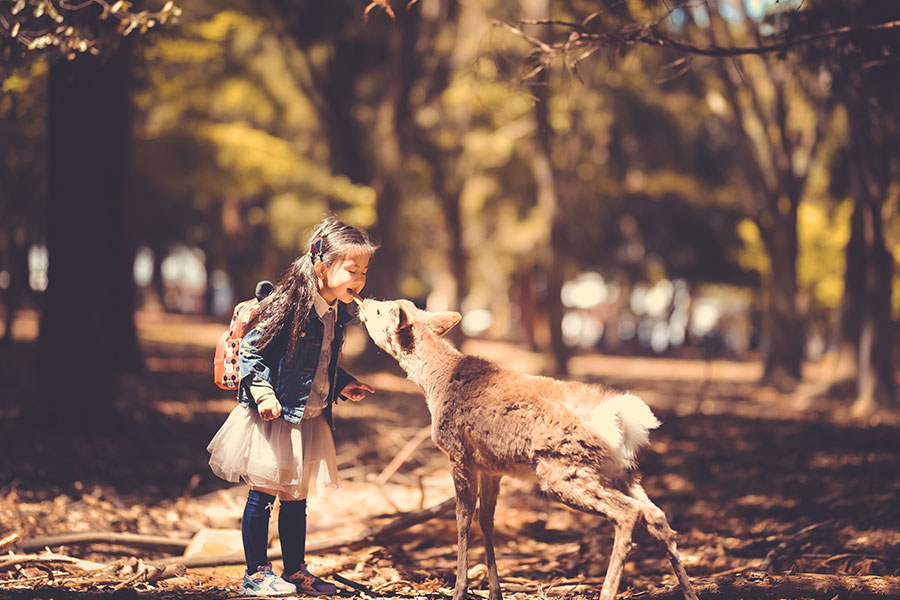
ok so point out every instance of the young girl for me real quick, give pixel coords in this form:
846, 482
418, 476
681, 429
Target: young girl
278, 439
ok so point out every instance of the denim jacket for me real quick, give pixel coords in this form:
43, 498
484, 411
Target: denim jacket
292, 376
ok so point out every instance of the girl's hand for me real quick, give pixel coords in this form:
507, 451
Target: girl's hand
356, 390
270, 408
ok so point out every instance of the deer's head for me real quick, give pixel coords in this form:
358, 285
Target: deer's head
397, 325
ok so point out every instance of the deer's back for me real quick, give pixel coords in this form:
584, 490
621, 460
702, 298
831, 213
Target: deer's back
507, 422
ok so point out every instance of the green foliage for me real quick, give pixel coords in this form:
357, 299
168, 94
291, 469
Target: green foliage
224, 122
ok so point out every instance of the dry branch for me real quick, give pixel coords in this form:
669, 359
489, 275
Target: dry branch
780, 549
9, 540
100, 537
369, 536
761, 586
12, 560
652, 34
403, 455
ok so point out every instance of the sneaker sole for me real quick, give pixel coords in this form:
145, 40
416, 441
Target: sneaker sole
244, 593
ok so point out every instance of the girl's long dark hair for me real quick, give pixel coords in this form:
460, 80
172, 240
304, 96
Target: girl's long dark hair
291, 301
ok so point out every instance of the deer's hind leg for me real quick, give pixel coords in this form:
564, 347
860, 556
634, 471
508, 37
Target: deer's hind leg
658, 526
581, 490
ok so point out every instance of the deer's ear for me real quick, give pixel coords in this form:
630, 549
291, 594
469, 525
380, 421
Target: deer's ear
400, 317
442, 322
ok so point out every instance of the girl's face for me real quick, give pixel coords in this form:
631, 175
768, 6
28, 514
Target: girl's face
344, 277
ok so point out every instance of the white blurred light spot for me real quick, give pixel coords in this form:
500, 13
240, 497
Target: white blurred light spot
38, 264
4, 280
571, 328
476, 322
677, 333
143, 266
706, 315
657, 299
580, 329
659, 337
585, 291
638, 300
184, 267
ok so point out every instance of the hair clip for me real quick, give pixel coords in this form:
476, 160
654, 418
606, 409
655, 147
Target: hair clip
317, 245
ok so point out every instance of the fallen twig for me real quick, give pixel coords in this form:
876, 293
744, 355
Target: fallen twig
403, 455
141, 572
369, 536
762, 586
352, 584
773, 554
101, 537
13, 560
9, 540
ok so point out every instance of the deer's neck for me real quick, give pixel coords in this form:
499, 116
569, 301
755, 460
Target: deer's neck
430, 365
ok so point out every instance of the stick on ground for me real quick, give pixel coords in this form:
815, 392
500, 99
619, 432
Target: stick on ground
762, 586
103, 537
369, 536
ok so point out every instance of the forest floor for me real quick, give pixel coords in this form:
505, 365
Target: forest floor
742, 471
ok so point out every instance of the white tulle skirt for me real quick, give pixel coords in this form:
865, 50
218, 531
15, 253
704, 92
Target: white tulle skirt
295, 458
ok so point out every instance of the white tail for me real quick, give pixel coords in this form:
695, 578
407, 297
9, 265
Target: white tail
625, 422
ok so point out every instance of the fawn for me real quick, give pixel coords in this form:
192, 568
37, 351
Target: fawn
579, 440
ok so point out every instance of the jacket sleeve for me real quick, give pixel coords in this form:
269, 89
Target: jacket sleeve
252, 362
260, 389
342, 379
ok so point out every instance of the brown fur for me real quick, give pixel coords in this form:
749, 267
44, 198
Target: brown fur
492, 422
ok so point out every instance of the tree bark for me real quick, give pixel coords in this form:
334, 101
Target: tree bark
552, 254
389, 142
87, 299
872, 271
777, 188
783, 351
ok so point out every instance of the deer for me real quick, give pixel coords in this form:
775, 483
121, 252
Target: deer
579, 440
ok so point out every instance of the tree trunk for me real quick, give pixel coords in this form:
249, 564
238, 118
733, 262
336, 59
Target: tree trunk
783, 349
552, 255
86, 301
853, 299
389, 156
18, 289
874, 269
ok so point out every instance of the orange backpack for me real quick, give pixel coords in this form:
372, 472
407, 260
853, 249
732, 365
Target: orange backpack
225, 363
226, 370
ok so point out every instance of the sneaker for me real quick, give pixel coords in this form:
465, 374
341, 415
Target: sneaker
265, 583
309, 584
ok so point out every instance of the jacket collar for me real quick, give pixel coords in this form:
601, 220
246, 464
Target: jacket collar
320, 308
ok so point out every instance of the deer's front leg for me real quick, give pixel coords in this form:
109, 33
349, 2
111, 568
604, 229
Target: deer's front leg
466, 483
488, 488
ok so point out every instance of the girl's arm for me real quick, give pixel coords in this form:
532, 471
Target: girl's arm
349, 388
267, 402
341, 381
253, 365
252, 362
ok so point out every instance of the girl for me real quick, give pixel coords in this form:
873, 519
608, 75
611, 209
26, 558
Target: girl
278, 439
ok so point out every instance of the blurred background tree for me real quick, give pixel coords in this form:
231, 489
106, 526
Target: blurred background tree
605, 195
